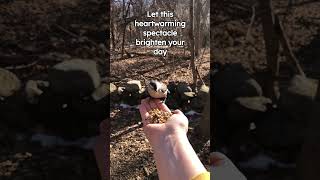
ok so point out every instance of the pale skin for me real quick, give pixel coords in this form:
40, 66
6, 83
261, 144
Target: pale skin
172, 151
174, 155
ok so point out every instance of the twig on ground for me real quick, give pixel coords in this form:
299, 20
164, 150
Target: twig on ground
286, 47
21, 66
251, 21
114, 137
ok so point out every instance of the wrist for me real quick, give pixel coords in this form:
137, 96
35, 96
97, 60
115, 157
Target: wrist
166, 138
184, 162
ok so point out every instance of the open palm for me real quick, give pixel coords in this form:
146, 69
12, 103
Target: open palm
177, 123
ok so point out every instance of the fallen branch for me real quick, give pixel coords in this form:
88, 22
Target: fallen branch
286, 46
123, 132
21, 66
299, 4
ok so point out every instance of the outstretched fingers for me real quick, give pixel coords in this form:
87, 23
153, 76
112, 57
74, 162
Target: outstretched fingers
177, 111
146, 104
144, 108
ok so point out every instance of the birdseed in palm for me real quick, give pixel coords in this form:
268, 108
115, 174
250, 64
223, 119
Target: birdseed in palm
158, 117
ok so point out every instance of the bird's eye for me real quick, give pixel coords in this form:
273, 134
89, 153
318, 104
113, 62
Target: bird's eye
153, 85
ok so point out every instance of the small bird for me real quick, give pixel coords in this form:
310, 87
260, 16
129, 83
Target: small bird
157, 90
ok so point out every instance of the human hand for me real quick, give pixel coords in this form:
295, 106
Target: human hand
223, 168
177, 124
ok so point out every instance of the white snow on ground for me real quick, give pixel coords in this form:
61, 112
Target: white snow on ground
191, 113
52, 141
263, 162
126, 106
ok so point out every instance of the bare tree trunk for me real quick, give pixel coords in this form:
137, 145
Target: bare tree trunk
272, 45
125, 23
191, 37
130, 29
112, 35
124, 27
197, 28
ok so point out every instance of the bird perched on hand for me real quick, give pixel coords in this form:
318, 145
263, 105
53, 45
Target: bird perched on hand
157, 90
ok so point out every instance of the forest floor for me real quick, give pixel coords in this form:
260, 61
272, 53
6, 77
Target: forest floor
34, 36
49, 32
174, 67
302, 27
131, 155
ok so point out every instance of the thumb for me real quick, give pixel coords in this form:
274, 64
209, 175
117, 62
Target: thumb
177, 111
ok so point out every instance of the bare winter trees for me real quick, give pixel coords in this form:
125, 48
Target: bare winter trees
124, 33
191, 40
198, 18
274, 36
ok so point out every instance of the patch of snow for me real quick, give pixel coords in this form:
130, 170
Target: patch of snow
263, 162
191, 113
52, 141
126, 106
